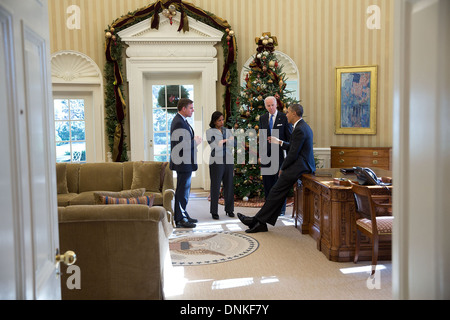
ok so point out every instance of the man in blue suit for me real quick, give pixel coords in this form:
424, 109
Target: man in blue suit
274, 123
299, 160
183, 160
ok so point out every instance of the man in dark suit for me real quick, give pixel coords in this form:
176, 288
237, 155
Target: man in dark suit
274, 123
299, 160
183, 160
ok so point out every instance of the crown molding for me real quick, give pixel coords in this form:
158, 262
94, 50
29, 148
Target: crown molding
166, 41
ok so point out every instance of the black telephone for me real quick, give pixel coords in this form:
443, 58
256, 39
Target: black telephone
366, 176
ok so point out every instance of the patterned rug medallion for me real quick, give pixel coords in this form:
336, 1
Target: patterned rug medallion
195, 248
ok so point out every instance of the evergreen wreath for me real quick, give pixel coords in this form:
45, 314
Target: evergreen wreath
115, 106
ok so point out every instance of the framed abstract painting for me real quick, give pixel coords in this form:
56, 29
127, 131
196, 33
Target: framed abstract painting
356, 100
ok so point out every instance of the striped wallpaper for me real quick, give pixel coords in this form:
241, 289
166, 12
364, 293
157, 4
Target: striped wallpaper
318, 35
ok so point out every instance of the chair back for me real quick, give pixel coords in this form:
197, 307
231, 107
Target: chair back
363, 201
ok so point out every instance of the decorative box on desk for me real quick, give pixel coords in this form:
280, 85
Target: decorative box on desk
347, 157
326, 211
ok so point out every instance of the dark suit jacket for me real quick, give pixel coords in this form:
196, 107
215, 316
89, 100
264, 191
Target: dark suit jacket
183, 155
300, 157
284, 132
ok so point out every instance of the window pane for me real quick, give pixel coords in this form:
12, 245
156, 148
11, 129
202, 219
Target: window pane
61, 109
160, 143
171, 113
161, 158
77, 109
62, 131
79, 152
173, 95
187, 91
159, 120
78, 130
159, 96
63, 152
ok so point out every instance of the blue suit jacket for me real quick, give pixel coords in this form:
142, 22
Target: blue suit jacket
300, 157
183, 155
284, 133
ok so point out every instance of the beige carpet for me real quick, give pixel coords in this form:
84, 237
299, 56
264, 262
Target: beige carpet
286, 266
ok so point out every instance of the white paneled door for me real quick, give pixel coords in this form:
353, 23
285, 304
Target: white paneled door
29, 227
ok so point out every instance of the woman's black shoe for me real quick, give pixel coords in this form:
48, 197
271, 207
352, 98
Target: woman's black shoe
230, 214
215, 216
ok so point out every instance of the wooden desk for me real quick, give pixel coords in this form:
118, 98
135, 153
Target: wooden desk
326, 211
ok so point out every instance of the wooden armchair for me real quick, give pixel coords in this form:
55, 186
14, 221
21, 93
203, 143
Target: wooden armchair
375, 219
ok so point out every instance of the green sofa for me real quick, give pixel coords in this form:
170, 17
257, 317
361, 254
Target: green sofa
122, 251
77, 183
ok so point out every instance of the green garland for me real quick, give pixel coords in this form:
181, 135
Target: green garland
114, 69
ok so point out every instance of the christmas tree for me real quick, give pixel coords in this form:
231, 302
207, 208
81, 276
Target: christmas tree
264, 78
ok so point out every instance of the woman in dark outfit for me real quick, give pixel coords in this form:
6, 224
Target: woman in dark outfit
221, 164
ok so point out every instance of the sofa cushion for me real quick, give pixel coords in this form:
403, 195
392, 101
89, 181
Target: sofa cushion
157, 196
148, 175
147, 200
83, 199
121, 194
73, 171
65, 198
101, 176
61, 178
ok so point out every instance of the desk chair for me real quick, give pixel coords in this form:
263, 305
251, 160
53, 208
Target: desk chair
375, 219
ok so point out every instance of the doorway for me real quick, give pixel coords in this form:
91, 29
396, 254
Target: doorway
163, 93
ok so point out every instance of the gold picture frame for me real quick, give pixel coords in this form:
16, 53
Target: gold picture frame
356, 100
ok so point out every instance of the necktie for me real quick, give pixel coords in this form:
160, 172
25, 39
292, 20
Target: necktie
271, 123
190, 128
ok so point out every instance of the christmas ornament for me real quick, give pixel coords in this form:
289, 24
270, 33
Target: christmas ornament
170, 13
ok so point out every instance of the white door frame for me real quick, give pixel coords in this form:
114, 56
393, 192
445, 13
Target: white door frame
141, 69
177, 79
156, 53
421, 153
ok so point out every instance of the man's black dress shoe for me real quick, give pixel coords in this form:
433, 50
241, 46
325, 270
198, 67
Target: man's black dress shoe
185, 224
191, 220
258, 227
248, 221
230, 214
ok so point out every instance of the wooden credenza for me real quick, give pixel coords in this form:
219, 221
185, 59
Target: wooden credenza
348, 157
326, 211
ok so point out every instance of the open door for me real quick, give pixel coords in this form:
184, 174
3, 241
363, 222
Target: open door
29, 228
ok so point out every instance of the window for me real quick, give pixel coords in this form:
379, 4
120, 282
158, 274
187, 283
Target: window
165, 100
289, 68
70, 130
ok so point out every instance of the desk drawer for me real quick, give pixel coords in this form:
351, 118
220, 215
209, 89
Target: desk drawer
349, 162
346, 157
